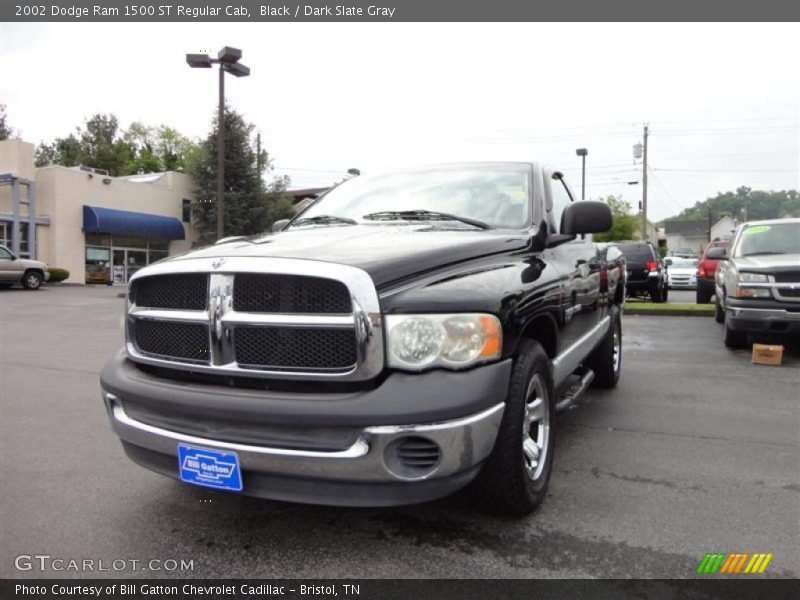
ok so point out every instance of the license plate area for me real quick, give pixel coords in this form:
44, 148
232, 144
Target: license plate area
209, 468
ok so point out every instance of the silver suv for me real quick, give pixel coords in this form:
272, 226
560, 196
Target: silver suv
758, 281
13, 269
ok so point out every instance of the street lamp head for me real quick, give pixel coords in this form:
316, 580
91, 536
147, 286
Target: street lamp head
229, 55
236, 69
199, 61
354, 172
582, 152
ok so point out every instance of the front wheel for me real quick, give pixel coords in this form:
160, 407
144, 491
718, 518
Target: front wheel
515, 477
719, 314
734, 339
32, 280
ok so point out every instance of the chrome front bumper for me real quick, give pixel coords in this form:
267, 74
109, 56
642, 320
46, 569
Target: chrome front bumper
463, 444
763, 319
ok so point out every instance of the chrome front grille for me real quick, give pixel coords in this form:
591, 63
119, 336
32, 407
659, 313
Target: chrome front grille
786, 286
172, 341
256, 317
187, 291
254, 292
294, 347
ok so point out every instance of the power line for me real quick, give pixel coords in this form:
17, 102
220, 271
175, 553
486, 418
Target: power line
729, 170
664, 189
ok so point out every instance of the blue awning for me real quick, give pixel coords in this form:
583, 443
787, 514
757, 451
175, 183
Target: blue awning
125, 222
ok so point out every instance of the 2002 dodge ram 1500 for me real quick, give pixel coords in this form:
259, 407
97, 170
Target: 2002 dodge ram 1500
406, 335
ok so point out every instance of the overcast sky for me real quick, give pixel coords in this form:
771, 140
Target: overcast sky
722, 101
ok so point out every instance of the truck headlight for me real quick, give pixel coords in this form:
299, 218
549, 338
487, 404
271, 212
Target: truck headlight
418, 342
742, 279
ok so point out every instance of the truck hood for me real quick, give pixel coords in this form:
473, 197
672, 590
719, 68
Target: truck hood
387, 252
768, 263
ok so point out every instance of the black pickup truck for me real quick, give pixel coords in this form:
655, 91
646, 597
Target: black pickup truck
406, 335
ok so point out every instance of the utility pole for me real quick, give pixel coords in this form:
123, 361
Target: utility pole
258, 157
644, 184
221, 158
582, 152
228, 61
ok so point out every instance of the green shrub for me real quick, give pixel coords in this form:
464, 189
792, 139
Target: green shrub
57, 275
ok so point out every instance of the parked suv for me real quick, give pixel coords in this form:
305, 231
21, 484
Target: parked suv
707, 271
647, 273
758, 281
13, 269
406, 335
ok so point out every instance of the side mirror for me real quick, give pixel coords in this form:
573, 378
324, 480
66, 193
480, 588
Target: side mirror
668, 261
279, 225
717, 253
586, 216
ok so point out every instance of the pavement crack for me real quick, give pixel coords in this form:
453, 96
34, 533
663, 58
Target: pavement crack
596, 472
683, 435
45, 368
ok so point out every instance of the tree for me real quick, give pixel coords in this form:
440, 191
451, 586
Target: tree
6, 131
250, 207
623, 225
745, 203
102, 144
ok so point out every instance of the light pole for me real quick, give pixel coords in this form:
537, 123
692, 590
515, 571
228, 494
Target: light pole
228, 60
583, 152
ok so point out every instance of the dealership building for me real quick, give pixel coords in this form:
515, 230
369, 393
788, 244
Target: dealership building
102, 229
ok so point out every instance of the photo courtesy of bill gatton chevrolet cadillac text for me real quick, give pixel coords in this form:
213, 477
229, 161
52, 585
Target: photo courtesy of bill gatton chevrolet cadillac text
407, 335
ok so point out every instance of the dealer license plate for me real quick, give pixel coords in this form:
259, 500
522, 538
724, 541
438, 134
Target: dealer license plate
209, 468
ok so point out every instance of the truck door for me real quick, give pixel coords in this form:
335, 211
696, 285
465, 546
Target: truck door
580, 268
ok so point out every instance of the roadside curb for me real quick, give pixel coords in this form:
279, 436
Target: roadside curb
666, 313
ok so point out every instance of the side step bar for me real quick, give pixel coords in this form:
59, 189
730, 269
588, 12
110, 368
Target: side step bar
582, 378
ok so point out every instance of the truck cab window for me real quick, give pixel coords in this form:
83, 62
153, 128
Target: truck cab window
561, 198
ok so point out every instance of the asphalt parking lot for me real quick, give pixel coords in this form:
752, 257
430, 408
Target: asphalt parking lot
696, 451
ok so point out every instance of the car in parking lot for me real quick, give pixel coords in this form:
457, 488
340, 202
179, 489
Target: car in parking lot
646, 271
683, 253
706, 272
31, 274
758, 281
681, 272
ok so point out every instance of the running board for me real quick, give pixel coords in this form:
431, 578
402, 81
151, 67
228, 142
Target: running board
586, 376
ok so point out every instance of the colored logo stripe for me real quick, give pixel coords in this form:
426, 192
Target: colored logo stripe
711, 562
734, 562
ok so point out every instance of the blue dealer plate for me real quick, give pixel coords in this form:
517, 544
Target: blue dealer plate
209, 468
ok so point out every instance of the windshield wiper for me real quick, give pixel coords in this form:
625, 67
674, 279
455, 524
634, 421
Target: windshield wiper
424, 215
324, 220
765, 252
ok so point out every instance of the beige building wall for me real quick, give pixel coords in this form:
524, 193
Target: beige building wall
61, 193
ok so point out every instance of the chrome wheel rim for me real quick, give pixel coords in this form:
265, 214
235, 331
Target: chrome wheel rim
33, 281
535, 427
617, 351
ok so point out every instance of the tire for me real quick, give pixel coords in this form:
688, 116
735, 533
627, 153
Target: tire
606, 360
702, 296
32, 280
655, 294
734, 339
719, 314
512, 481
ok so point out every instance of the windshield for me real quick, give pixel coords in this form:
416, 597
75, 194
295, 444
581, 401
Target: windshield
636, 252
683, 263
495, 194
776, 238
